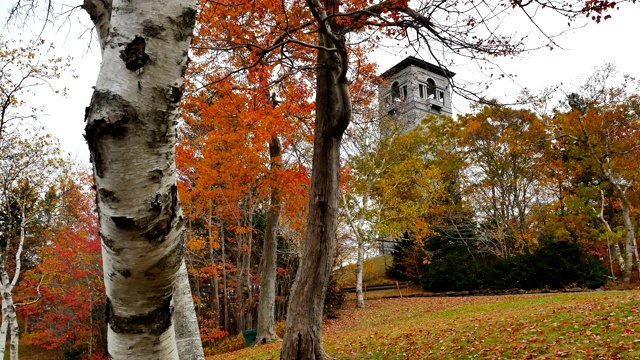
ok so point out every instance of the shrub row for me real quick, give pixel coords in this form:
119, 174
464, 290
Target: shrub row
552, 265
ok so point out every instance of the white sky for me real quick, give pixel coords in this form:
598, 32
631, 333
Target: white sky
583, 49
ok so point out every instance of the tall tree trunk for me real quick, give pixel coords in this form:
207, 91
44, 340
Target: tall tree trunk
185, 319
131, 133
357, 230
214, 276
266, 307
9, 325
225, 295
303, 335
618, 255
9, 317
608, 231
359, 272
249, 312
15, 334
4, 326
630, 240
238, 313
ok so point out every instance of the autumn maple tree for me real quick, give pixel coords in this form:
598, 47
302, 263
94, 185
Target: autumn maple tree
237, 166
64, 292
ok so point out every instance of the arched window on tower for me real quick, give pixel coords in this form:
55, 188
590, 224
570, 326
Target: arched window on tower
431, 89
395, 91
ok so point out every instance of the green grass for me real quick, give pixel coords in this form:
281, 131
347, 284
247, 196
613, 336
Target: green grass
593, 325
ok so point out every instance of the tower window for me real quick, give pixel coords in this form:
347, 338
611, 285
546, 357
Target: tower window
428, 91
395, 91
431, 89
440, 96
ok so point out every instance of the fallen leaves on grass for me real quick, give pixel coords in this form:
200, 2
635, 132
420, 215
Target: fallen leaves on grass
596, 325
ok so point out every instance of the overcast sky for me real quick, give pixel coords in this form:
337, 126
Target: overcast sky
613, 40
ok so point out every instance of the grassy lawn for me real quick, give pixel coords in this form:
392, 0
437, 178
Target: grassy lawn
594, 325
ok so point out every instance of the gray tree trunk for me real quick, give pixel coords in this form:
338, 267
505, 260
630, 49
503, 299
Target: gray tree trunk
630, 239
225, 295
266, 331
359, 273
131, 133
303, 335
214, 277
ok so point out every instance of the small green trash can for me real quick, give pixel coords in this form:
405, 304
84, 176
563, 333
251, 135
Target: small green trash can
249, 336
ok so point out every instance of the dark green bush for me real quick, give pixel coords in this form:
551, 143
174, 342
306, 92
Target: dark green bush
554, 265
455, 271
558, 264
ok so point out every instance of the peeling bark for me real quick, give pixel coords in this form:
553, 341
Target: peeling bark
131, 133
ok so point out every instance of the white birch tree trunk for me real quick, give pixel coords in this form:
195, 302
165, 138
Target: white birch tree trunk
356, 225
185, 319
9, 323
359, 273
4, 326
630, 238
618, 255
131, 133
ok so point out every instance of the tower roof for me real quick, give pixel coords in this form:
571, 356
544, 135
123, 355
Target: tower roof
419, 63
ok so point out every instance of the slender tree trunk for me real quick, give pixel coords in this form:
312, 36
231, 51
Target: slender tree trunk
357, 230
4, 325
214, 275
9, 316
225, 295
249, 312
303, 335
131, 133
185, 320
266, 307
618, 255
630, 239
359, 272
8, 326
238, 313
15, 333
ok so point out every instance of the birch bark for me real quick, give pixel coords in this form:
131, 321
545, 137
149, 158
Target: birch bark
131, 133
9, 323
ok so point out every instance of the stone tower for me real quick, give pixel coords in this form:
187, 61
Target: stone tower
414, 88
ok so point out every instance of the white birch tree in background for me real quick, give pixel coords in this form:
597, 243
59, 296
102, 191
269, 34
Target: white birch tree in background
28, 163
